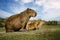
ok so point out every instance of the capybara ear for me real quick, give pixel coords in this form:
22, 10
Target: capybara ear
28, 8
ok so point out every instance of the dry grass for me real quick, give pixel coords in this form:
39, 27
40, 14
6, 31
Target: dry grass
46, 32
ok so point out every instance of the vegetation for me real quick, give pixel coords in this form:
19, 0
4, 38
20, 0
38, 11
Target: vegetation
44, 33
2, 22
50, 31
52, 23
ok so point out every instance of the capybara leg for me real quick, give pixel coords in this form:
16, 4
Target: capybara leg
34, 29
8, 30
23, 30
37, 28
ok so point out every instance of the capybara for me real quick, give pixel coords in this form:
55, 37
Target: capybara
19, 21
34, 25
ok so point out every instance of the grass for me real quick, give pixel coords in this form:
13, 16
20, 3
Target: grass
46, 32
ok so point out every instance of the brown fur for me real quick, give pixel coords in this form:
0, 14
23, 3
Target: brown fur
19, 21
34, 25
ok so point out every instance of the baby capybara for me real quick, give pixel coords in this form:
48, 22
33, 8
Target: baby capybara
34, 25
19, 21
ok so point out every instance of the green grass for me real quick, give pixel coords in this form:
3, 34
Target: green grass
46, 32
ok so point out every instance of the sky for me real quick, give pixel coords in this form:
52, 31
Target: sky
46, 9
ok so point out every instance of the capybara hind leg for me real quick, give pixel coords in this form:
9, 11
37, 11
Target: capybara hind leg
9, 30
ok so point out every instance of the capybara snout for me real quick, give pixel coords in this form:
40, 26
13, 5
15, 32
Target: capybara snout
34, 15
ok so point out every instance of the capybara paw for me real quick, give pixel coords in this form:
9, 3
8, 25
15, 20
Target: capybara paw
23, 30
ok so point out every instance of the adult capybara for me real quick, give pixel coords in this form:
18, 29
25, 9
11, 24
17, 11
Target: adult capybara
19, 21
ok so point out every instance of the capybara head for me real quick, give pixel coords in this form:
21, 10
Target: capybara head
31, 12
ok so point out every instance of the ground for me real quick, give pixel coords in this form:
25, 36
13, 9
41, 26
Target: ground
46, 32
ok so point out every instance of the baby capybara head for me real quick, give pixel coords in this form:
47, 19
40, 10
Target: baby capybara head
31, 12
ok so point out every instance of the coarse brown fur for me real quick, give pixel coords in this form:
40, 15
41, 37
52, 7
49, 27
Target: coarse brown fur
34, 25
19, 21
